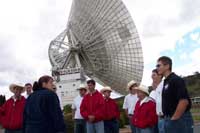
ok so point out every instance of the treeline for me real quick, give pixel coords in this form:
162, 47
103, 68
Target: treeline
193, 84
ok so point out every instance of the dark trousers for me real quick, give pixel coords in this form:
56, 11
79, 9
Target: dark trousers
80, 126
13, 131
133, 128
111, 126
145, 130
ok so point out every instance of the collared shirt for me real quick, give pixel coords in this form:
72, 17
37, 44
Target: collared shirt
157, 96
15, 99
26, 95
174, 90
129, 103
76, 105
146, 99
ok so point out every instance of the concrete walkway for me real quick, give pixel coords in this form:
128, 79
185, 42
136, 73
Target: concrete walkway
1, 131
127, 130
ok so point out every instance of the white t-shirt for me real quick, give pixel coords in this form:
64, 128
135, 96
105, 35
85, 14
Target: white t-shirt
76, 105
129, 103
26, 96
157, 96
153, 94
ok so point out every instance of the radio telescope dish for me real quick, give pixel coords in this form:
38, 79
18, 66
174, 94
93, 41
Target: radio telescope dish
101, 38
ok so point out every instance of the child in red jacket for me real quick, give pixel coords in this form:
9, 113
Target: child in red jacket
112, 114
145, 117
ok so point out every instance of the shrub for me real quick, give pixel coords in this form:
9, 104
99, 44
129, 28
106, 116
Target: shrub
69, 122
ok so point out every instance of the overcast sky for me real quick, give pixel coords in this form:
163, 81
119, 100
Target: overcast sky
166, 27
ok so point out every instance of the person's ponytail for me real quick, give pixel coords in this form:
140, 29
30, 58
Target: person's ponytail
39, 84
35, 86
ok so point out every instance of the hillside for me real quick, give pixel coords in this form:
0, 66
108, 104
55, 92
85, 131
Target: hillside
193, 84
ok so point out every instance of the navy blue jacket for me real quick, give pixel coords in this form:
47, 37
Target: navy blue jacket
42, 113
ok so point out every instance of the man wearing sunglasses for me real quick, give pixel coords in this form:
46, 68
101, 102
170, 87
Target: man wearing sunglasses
176, 103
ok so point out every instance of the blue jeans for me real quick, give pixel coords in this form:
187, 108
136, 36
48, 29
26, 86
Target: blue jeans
133, 128
111, 126
80, 126
13, 131
161, 126
182, 125
145, 130
97, 127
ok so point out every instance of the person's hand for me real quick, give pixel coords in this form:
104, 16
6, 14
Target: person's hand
174, 118
91, 118
129, 116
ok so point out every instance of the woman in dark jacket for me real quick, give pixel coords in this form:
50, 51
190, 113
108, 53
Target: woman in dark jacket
42, 112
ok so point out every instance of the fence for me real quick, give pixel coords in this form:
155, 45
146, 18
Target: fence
195, 100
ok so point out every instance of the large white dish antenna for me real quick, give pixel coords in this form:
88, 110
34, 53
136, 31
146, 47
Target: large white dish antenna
102, 38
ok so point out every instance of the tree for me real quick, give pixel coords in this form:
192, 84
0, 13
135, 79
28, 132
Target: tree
2, 100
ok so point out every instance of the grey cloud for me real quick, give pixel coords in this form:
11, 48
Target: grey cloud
155, 25
51, 21
7, 58
190, 10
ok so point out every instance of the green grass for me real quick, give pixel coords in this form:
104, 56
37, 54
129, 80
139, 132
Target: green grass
195, 110
196, 118
196, 114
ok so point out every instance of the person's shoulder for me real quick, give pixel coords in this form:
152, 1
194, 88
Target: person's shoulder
23, 98
9, 100
138, 103
151, 101
176, 77
160, 87
98, 93
47, 93
77, 98
128, 95
86, 95
133, 96
152, 94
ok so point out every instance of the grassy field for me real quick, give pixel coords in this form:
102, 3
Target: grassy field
196, 113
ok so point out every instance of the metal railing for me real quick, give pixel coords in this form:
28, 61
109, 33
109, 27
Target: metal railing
195, 100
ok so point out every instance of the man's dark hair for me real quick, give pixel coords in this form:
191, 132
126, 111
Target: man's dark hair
28, 84
91, 81
166, 61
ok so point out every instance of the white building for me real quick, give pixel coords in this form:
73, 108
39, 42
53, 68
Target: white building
67, 83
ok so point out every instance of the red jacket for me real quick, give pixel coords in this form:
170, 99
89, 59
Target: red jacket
93, 104
11, 113
145, 115
111, 109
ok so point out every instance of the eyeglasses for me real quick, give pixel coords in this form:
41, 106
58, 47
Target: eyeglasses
158, 65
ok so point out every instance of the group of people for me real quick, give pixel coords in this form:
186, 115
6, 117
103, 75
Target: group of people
36, 112
166, 109
94, 111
